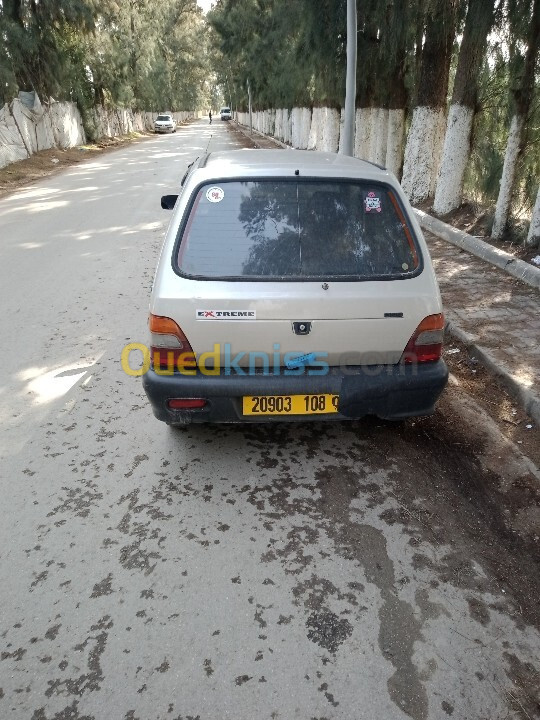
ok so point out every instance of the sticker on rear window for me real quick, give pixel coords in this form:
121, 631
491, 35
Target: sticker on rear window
215, 194
226, 315
372, 202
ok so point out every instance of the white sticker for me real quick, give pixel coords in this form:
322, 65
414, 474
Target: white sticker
226, 315
215, 194
372, 202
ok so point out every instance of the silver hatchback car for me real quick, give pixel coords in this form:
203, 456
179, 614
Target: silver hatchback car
292, 285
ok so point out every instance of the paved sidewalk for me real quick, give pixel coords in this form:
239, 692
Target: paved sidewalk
499, 314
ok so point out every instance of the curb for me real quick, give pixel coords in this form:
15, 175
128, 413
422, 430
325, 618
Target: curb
523, 395
501, 259
245, 130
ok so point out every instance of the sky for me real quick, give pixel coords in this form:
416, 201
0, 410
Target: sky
205, 4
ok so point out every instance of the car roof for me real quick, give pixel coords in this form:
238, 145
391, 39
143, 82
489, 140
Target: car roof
269, 163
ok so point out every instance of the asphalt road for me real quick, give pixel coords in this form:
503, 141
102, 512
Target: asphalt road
309, 571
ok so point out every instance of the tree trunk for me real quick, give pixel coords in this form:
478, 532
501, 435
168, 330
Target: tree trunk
399, 20
457, 141
522, 96
382, 137
363, 133
133, 60
424, 144
504, 199
533, 238
394, 145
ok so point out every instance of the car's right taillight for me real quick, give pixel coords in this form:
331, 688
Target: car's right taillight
169, 348
426, 342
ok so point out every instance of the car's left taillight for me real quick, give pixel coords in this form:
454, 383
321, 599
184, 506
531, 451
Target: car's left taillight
170, 350
426, 342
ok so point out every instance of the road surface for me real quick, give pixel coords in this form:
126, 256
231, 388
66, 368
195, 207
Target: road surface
307, 571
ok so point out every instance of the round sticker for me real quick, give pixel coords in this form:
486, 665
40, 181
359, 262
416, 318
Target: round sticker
215, 194
405, 266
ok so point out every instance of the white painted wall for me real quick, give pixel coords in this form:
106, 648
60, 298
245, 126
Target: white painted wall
363, 133
330, 130
25, 130
315, 131
296, 121
436, 153
305, 128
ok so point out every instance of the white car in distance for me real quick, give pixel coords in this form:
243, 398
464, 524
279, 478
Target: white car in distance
164, 123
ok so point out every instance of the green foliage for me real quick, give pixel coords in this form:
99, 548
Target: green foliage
144, 54
492, 123
292, 52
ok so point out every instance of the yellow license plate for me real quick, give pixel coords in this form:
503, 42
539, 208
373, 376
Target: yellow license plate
290, 404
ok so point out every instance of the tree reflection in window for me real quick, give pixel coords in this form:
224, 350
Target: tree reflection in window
280, 229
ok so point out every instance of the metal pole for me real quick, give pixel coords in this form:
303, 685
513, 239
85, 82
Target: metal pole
249, 105
347, 146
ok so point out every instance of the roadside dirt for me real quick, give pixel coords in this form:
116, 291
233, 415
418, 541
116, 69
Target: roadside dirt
50, 162
493, 397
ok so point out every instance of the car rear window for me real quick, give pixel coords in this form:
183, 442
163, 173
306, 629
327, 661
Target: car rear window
285, 230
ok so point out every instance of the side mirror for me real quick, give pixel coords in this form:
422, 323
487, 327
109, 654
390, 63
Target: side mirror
168, 201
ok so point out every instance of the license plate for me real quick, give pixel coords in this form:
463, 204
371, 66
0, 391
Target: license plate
290, 404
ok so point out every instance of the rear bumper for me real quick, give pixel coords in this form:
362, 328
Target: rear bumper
391, 392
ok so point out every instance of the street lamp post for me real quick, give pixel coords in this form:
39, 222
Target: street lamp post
347, 146
249, 106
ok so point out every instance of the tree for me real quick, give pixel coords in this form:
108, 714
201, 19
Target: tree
522, 21
533, 238
457, 143
426, 136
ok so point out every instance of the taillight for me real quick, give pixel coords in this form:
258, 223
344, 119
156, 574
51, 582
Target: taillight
186, 403
169, 348
426, 342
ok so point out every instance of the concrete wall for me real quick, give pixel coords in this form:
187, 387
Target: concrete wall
28, 126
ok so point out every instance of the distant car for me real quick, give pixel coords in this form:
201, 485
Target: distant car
292, 285
164, 123
225, 113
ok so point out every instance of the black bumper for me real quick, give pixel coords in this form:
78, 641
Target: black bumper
392, 392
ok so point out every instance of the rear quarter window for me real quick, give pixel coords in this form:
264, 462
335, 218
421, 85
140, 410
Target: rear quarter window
278, 229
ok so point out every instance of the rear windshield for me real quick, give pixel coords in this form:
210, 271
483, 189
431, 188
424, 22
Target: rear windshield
163, 117
284, 230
